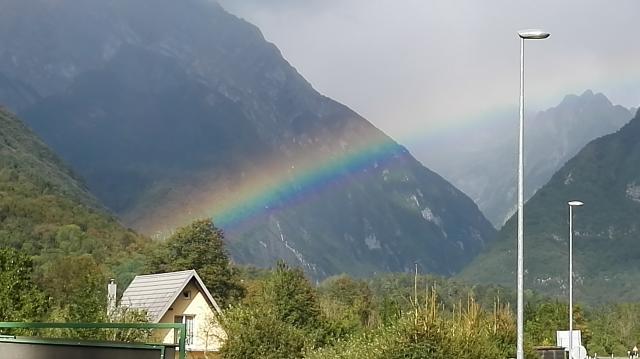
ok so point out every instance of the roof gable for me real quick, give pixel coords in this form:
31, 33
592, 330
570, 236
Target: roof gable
155, 293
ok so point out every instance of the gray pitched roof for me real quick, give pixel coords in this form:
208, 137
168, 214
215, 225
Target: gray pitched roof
155, 293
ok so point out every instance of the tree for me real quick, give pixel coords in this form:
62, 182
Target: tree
291, 296
199, 246
347, 302
546, 317
76, 286
280, 318
258, 332
543, 320
20, 300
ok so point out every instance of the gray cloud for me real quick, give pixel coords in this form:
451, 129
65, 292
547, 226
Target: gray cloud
414, 67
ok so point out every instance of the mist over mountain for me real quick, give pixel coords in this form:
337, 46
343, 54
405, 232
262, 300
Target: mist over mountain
173, 111
606, 176
485, 167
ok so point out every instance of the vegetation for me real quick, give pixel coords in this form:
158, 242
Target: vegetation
279, 313
47, 213
381, 318
280, 317
284, 316
58, 246
199, 246
20, 300
76, 286
615, 328
431, 332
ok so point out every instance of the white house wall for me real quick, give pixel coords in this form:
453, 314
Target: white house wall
208, 335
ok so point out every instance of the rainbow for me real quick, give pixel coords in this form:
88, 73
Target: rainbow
308, 180
269, 185
266, 186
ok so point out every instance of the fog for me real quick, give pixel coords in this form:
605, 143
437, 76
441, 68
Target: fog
416, 68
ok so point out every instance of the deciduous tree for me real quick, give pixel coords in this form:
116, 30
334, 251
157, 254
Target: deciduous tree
20, 300
199, 246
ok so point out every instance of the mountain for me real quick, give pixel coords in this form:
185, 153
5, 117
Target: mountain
606, 176
485, 168
45, 210
176, 110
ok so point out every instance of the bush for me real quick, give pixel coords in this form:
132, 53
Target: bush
257, 333
432, 333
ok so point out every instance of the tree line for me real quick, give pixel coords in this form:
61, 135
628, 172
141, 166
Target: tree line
279, 313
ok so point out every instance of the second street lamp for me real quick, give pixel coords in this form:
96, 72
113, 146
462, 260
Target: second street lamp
571, 205
524, 35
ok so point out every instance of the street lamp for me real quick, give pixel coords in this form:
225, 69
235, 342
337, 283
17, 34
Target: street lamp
524, 35
571, 205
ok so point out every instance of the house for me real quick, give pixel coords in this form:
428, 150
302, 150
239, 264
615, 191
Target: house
179, 297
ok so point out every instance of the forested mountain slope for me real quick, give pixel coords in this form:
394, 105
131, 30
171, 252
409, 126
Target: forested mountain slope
45, 210
606, 176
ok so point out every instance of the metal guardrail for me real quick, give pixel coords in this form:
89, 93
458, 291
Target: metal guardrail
181, 327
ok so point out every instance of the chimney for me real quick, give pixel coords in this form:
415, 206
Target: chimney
111, 298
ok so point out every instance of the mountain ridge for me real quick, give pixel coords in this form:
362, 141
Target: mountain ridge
605, 175
187, 117
485, 168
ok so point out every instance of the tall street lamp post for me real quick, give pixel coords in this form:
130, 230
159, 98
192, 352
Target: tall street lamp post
571, 205
524, 35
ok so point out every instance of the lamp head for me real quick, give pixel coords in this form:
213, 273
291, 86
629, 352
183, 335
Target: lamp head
533, 34
575, 203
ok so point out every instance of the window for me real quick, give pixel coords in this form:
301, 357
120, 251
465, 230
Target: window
186, 294
187, 320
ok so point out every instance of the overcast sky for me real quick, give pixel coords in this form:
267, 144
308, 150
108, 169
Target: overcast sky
416, 68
